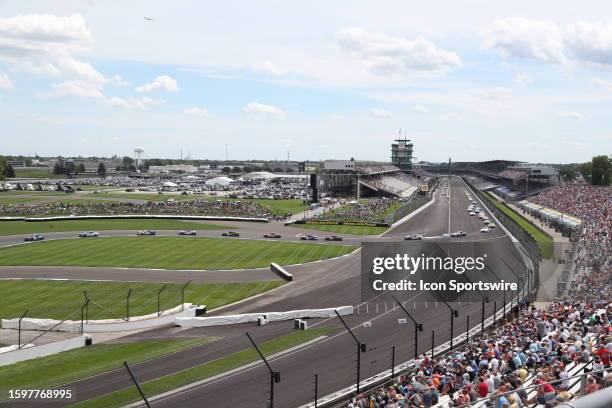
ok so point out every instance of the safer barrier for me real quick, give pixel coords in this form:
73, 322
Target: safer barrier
104, 326
30, 352
254, 317
280, 271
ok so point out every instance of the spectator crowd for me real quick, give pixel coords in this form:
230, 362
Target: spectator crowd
593, 205
541, 349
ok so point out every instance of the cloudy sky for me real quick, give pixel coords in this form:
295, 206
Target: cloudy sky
529, 80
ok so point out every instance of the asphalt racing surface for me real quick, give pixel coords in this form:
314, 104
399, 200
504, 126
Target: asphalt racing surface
330, 283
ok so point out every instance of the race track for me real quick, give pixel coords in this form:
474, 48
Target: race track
330, 283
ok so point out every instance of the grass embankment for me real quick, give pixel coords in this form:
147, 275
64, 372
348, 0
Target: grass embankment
31, 227
181, 378
544, 240
75, 364
343, 229
167, 253
64, 299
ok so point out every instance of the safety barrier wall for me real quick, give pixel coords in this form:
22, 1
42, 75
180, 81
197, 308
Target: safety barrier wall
280, 271
28, 353
254, 317
103, 326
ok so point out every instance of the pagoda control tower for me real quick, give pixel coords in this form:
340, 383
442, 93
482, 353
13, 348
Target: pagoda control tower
401, 154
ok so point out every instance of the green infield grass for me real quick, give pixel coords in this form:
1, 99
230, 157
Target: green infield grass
16, 200
167, 253
544, 240
75, 364
64, 299
343, 229
41, 227
209, 369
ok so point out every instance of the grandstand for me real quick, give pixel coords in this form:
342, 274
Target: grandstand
365, 179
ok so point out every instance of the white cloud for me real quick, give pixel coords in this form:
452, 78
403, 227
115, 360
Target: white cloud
522, 38
603, 83
522, 79
128, 103
336, 116
493, 94
199, 112
73, 67
383, 54
78, 89
268, 68
570, 114
162, 83
259, 110
451, 116
380, 113
5, 82
590, 42
420, 109
36, 34
43, 68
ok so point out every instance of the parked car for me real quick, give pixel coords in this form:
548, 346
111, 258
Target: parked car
187, 232
472, 213
457, 234
309, 237
491, 225
485, 229
230, 234
88, 234
34, 237
146, 232
272, 235
413, 237
334, 238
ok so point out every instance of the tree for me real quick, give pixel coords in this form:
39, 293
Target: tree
127, 162
70, 168
80, 168
9, 171
585, 170
58, 168
226, 170
600, 171
3, 165
101, 170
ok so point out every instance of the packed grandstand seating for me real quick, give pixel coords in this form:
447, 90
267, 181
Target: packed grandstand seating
593, 205
398, 184
373, 168
209, 207
373, 210
528, 362
513, 174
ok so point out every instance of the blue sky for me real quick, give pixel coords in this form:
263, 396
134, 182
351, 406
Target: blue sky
527, 81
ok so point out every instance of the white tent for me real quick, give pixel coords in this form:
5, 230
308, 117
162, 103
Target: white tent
259, 175
219, 181
169, 184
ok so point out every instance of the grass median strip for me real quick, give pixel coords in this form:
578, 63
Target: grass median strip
209, 369
343, 229
543, 239
64, 299
84, 362
167, 253
41, 227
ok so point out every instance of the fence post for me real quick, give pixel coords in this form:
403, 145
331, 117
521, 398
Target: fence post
316, 396
19, 335
183, 295
83, 317
467, 329
494, 315
433, 336
127, 305
392, 362
158, 296
87, 299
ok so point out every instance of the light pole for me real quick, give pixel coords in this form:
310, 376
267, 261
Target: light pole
274, 375
417, 327
361, 348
